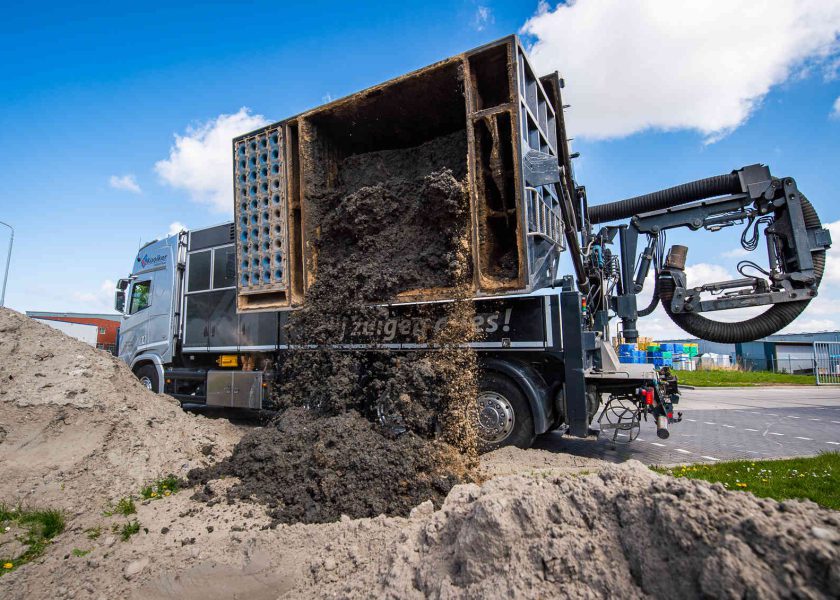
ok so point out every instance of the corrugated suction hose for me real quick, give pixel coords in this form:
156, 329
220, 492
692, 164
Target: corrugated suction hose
693, 191
767, 323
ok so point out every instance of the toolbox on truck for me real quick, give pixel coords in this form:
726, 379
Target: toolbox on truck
283, 173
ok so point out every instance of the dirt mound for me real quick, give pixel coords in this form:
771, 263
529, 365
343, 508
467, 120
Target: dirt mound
310, 469
78, 428
625, 532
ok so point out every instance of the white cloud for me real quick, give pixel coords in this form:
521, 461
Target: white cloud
101, 300
125, 183
176, 227
633, 65
705, 273
482, 17
735, 253
200, 162
832, 261
835, 111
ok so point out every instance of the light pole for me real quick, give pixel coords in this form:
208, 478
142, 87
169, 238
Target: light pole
8, 262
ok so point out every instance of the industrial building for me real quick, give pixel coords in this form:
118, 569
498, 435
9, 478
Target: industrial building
785, 352
108, 325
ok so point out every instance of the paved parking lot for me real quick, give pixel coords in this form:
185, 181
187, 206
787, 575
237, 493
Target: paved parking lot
725, 424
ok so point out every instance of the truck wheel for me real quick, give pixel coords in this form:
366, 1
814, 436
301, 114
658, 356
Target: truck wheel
148, 376
504, 417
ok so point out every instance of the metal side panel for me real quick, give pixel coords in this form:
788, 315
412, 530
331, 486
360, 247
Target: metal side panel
219, 388
247, 389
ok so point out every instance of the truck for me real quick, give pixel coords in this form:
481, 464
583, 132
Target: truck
206, 311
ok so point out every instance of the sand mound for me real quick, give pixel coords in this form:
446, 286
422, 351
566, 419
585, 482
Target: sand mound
625, 532
77, 428
310, 469
511, 460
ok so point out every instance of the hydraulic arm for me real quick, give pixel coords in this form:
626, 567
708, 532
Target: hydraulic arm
796, 244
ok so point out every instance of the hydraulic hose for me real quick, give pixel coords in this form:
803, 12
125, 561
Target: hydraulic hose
653, 301
681, 194
767, 323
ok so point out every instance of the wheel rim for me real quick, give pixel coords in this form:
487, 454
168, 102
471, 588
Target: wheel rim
146, 382
496, 417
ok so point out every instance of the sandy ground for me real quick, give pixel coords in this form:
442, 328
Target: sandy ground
78, 432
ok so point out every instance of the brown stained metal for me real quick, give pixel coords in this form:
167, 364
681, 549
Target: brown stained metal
404, 112
494, 110
295, 216
513, 81
472, 174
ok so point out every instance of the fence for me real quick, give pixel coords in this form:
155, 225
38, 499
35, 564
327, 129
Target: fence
827, 363
795, 364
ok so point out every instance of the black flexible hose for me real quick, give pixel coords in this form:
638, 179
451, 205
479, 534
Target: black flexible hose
653, 301
680, 194
767, 323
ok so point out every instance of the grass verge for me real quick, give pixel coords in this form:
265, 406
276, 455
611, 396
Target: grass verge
721, 378
38, 528
815, 478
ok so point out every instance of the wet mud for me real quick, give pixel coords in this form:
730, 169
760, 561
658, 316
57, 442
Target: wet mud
378, 430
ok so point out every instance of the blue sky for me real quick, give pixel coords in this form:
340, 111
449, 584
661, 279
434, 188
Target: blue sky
93, 96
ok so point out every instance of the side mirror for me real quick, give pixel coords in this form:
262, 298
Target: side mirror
119, 301
119, 296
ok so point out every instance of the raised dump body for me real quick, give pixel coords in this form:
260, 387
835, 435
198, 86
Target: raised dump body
408, 176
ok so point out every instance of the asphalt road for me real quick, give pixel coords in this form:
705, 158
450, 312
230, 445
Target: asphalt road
725, 424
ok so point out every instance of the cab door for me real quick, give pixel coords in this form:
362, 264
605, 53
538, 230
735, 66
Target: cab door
135, 326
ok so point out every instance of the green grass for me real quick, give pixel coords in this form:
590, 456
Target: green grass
124, 507
39, 527
815, 478
129, 529
166, 486
78, 552
721, 378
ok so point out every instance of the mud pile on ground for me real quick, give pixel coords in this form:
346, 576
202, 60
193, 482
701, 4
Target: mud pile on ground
309, 469
399, 220
77, 428
624, 533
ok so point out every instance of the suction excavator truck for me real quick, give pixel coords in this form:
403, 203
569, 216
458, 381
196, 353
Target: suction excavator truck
206, 311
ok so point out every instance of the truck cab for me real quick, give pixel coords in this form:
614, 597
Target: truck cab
149, 302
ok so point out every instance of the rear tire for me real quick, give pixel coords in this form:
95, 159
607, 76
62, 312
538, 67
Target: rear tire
148, 376
504, 417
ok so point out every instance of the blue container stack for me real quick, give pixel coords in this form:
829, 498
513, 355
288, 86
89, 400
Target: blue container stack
662, 357
626, 353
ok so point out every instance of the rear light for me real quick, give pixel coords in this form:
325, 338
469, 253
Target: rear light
647, 394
